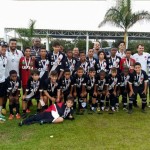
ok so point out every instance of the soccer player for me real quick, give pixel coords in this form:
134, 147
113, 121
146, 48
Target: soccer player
127, 61
56, 113
51, 89
66, 84
138, 85
33, 90
57, 60
13, 89
80, 90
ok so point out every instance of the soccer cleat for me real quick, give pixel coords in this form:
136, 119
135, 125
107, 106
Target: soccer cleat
125, 109
18, 116
28, 111
2, 116
20, 124
98, 109
11, 117
107, 109
2, 120
4, 111
24, 115
130, 111
103, 108
143, 111
41, 122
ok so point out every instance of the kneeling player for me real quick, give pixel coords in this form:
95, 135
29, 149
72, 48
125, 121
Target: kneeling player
138, 83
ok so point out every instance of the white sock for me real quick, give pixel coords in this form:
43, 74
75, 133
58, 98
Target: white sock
0, 109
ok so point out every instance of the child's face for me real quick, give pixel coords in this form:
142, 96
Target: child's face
101, 56
91, 53
69, 54
126, 72
113, 73
137, 68
80, 73
67, 75
13, 77
102, 76
56, 49
3, 50
27, 52
113, 52
92, 73
53, 78
43, 52
69, 103
121, 46
82, 57
128, 54
35, 77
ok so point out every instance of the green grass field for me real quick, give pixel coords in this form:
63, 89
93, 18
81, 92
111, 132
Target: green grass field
119, 131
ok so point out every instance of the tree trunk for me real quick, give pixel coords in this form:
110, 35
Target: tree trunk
126, 38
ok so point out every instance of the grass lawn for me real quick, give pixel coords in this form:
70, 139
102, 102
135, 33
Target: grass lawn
119, 131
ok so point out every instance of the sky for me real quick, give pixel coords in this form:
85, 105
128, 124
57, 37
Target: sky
70, 15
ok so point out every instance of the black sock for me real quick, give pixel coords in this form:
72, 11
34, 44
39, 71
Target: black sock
17, 108
11, 109
38, 110
24, 111
143, 105
4, 105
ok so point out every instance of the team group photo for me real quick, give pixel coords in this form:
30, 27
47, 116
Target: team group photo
76, 89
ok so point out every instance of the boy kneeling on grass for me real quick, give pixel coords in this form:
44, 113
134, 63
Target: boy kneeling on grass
56, 113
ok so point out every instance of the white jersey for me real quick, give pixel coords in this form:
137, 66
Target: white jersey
142, 59
13, 61
121, 55
3, 62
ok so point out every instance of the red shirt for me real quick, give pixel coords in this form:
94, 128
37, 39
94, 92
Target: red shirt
25, 67
129, 64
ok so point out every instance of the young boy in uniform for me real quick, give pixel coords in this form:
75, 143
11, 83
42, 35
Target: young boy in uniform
138, 84
51, 88
114, 81
33, 90
56, 113
66, 84
102, 89
90, 85
13, 89
80, 90
26, 64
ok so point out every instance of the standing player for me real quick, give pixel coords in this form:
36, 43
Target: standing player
3, 62
57, 60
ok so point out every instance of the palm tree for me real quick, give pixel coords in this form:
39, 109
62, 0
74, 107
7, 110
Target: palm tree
26, 35
124, 18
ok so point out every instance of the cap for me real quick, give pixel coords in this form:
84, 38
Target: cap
3, 43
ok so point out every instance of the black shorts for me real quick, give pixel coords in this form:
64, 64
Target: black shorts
3, 89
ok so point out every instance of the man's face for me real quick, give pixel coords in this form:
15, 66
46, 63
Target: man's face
91, 53
42, 52
53, 78
69, 103
27, 52
3, 50
96, 45
80, 73
121, 46
13, 45
67, 75
76, 51
137, 68
140, 49
82, 57
56, 49
35, 77
128, 54
69, 54
37, 43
